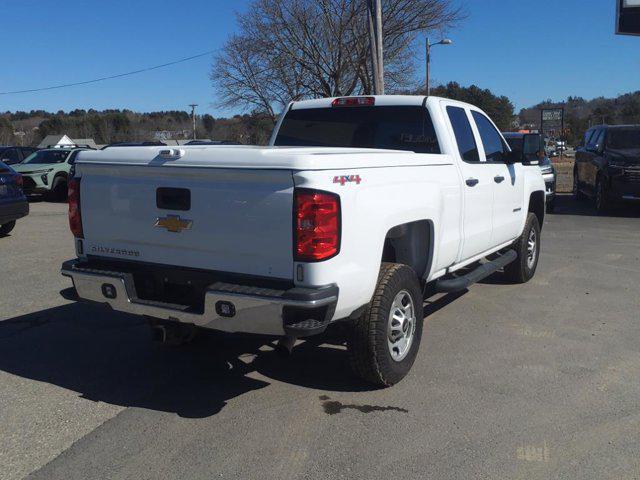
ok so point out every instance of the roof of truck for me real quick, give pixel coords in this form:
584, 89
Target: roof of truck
380, 100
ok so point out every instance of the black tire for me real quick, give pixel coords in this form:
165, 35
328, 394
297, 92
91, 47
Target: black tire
577, 193
59, 189
523, 268
6, 228
369, 348
551, 206
603, 205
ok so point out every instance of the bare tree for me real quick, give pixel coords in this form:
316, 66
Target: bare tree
292, 49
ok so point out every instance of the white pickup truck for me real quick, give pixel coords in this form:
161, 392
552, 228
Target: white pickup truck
358, 206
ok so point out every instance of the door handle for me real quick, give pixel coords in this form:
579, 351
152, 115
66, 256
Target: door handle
498, 179
472, 182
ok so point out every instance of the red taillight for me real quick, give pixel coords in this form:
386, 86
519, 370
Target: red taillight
19, 180
75, 220
316, 225
354, 102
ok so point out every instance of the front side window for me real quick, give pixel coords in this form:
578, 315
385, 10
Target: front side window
587, 137
597, 140
387, 127
47, 156
491, 139
464, 135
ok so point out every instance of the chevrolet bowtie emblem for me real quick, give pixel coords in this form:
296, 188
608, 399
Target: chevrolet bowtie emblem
173, 223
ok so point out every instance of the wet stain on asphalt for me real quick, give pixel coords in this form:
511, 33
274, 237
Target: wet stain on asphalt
333, 407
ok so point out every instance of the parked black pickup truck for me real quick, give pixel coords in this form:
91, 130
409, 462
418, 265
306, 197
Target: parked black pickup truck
13, 203
607, 166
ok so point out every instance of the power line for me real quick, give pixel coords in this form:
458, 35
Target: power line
102, 79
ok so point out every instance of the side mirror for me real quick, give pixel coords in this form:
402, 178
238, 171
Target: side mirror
514, 156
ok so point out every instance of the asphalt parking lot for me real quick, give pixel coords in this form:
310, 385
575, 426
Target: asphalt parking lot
512, 382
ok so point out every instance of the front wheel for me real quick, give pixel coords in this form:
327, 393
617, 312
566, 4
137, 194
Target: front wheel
551, 205
385, 339
59, 190
523, 268
577, 193
6, 228
602, 197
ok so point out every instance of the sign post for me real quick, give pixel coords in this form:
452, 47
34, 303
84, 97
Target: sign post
554, 119
628, 17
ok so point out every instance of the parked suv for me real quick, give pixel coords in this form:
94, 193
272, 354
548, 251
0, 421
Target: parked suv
14, 155
607, 166
47, 171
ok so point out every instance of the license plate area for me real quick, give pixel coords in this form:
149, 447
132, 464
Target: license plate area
168, 198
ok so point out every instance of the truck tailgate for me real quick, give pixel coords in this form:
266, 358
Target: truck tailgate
223, 219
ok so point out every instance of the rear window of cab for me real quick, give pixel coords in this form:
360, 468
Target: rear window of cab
407, 128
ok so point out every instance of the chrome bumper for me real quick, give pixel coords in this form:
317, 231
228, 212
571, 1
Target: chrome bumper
227, 307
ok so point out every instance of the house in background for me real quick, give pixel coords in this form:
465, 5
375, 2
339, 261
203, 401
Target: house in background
61, 141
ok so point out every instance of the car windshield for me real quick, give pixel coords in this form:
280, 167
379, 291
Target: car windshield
47, 156
387, 127
515, 143
624, 138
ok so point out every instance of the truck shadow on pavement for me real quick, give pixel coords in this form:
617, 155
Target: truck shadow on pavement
109, 357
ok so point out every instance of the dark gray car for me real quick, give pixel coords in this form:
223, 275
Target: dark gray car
13, 203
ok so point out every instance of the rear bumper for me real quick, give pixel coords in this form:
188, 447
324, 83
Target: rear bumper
11, 210
235, 308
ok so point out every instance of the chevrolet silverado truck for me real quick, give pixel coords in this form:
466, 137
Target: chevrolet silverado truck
357, 207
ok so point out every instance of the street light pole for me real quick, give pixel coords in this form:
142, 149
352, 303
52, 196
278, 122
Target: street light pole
444, 41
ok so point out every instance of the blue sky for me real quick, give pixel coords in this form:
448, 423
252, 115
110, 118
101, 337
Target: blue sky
554, 49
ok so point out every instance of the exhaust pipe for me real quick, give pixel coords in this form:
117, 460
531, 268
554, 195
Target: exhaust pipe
159, 333
172, 333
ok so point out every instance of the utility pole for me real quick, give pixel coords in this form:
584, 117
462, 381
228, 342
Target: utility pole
428, 84
374, 8
380, 49
193, 116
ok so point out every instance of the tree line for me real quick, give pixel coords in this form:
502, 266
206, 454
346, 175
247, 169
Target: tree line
110, 126
255, 128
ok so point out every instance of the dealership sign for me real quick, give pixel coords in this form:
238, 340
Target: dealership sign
628, 17
552, 121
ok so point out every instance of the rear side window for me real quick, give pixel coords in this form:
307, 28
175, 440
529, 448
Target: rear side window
491, 139
464, 135
386, 127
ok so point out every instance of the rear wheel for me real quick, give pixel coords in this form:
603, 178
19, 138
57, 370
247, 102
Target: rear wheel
527, 247
602, 197
6, 228
385, 340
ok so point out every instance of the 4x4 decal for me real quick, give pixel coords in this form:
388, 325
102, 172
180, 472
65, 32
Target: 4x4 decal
343, 179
